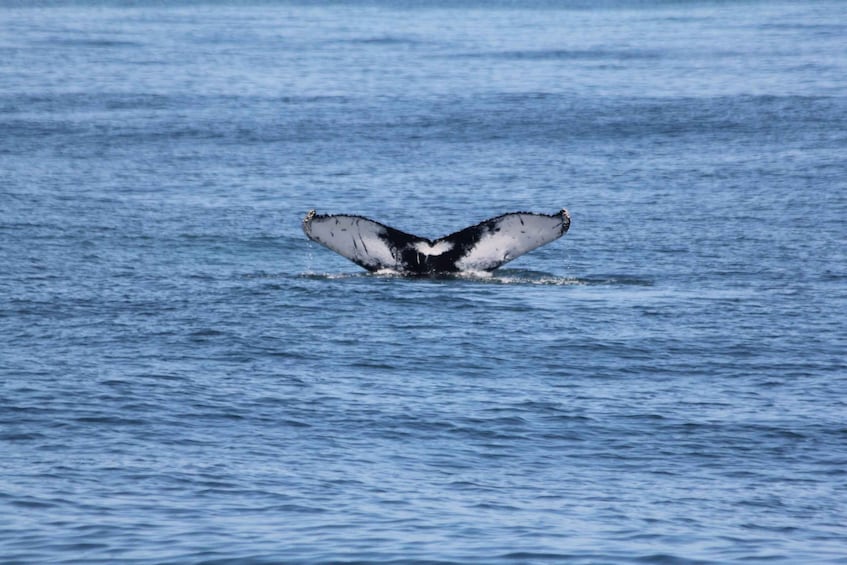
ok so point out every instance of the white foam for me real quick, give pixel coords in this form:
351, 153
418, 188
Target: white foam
387, 273
472, 274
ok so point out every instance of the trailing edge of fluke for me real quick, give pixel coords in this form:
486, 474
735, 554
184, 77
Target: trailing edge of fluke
481, 247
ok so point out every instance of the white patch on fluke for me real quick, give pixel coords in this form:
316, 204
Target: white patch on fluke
358, 239
439, 248
509, 237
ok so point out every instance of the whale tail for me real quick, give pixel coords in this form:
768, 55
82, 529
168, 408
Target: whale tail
481, 247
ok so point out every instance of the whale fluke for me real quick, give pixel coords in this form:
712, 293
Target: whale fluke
481, 247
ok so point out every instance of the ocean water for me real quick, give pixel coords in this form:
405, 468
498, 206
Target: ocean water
185, 378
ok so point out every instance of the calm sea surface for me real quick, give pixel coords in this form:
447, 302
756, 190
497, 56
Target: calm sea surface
185, 378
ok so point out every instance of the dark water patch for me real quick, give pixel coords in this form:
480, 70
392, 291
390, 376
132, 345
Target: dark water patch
33, 504
669, 559
566, 55
110, 421
376, 365
828, 28
22, 436
101, 43
317, 99
386, 41
544, 557
89, 104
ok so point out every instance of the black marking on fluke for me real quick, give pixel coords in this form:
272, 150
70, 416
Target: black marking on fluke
482, 247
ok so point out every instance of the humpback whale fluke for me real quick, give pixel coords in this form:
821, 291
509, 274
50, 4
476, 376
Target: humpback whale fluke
481, 247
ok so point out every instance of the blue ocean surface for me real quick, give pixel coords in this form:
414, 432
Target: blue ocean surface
186, 378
